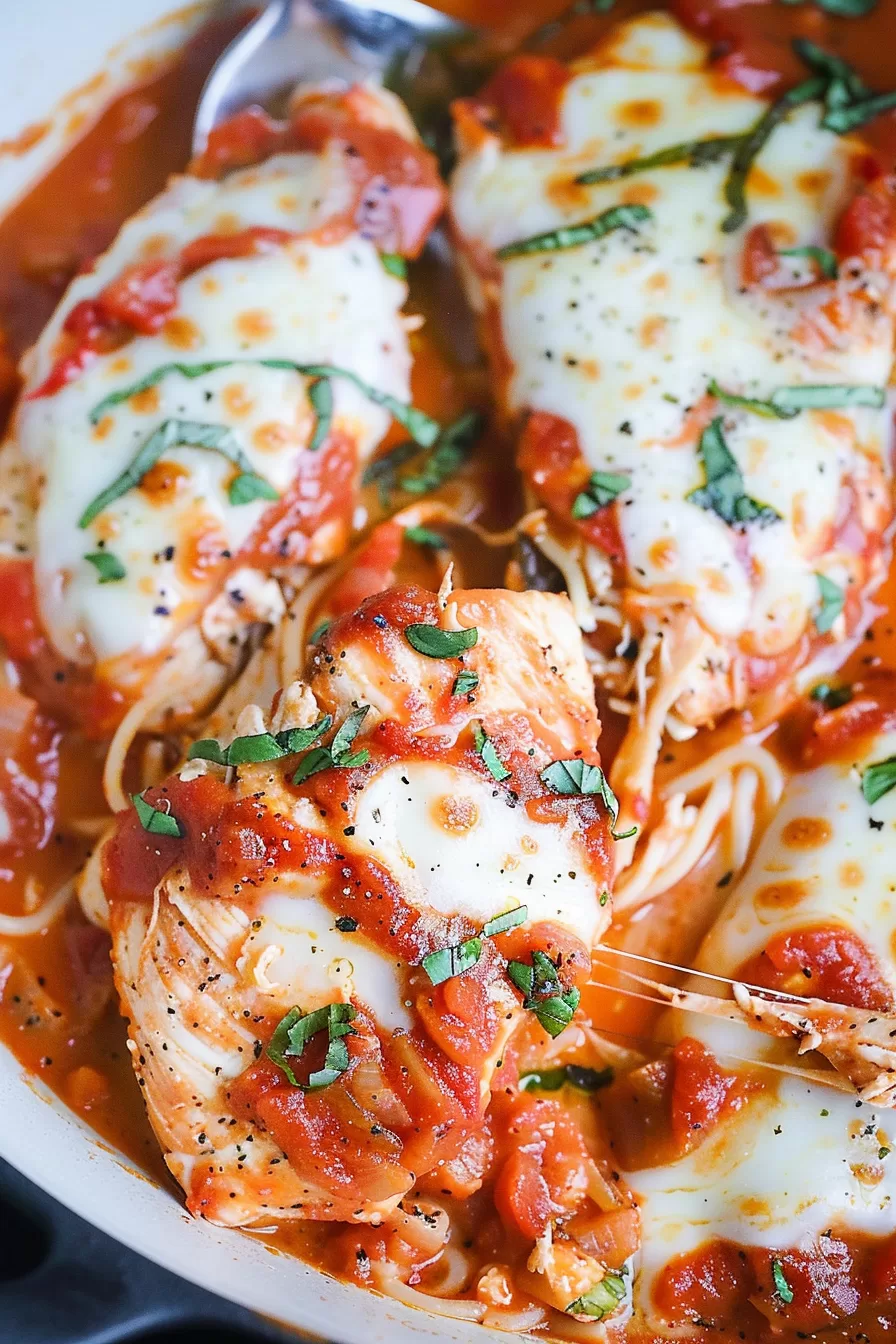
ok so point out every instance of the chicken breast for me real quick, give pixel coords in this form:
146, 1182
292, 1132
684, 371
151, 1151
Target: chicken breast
324, 938
692, 344
197, 411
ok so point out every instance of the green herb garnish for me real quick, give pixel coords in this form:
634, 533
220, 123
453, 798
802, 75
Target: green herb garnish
383, 471
451, 961
395, 264
320, 394
695, 153
752, 144
247, 487
602, 488
782, 1287
843, 119
339, 753
259, 747
830, 697
448, 455
465, 682
543, 994
511, 919
108, 566
724, 493
577, 777
879, 779
600, 1300
786, 402
153, 820
296, 1029
434, 642
824, 258
840, 74
424, 536
490, 758
422, 428
573, 1075
171, 434
832, 600
575, 235
319, 631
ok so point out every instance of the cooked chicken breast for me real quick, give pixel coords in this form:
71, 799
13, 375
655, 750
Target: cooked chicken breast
197, 411
322, 954
693, 348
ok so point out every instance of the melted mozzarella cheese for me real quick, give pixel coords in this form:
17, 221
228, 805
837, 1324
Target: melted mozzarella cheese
305, 301
453, 842
621, 336
794, 1161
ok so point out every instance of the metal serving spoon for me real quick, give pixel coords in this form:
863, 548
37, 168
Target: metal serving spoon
292, 40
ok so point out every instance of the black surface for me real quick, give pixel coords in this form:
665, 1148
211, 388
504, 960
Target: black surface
64, 1282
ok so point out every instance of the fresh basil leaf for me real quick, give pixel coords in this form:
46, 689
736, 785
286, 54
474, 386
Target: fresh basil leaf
153, 820
279, 1044
449, 454
207, 749
298, 739
575, 235
171, 434
512, 919
357, 758
347, 732
490, 758
317, 760
603, 487
108, 566
832, 602
693, 152
789, 401
383, 471
254, 749
543, 993
465, 682
782, 1287
834, 68
600, 1300
434, 642
424, 536
824, 258
522, 976
577, 777
842, 120
319, 631
296, 1029
395, 264
555, 1013
320, 395
247, 487
830, 697
451, 961
753, 404
878, 779
755, 141
724, 493
575, 1075
150, 380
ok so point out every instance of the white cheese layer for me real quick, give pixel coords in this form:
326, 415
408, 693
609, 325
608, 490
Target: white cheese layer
622, 336
453, 843
305, 301
793, 1163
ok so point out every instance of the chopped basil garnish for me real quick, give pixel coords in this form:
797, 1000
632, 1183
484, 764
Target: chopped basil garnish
832, 600
383, 471
575, 1075
830, 697
448, 455
752, 144
543, 994
320, 394
600, 1300
424, 536
841, 120
575, 235
512, 919
189, 433
108, 566
602, 488
879, 779
258, 747
824, 258
465, 682
296, 1029
787, 402
724, 493
782, 1287
339, 753
395, 264
693, 152
153, 820
451, 961
576, 777
486, 749
734, 399
845, 9
837, 71
319, 631
421, 427
434, 642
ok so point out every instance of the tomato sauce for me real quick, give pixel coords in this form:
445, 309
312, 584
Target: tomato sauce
503, 1179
